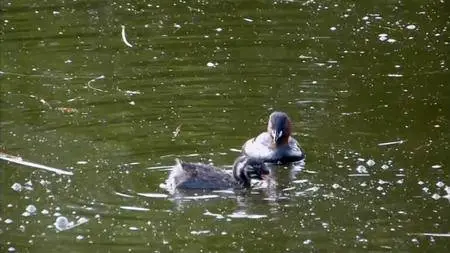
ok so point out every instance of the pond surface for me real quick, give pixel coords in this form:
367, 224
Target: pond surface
113, 92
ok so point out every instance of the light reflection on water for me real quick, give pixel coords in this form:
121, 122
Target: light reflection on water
365, 86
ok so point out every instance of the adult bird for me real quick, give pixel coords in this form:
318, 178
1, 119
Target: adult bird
276, 145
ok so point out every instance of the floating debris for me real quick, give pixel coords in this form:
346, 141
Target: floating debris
18, 160
411, 27
93, 80
391, 143
124, 37
248, 20
177, 131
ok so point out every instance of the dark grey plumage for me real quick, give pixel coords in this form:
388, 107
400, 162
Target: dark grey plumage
202, 176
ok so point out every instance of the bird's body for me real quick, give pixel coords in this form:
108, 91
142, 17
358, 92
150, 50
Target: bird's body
276, 145
203, 176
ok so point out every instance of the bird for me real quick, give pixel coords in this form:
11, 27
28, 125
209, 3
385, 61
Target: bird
276, 145
185, 175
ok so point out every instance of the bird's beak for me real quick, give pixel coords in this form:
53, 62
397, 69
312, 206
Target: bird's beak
276, 135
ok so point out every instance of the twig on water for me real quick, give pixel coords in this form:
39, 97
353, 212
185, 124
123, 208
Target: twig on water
177, 131
93, 80
18, 160
391, 143
124, 37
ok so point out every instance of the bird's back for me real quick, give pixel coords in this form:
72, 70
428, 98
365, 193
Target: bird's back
199, 176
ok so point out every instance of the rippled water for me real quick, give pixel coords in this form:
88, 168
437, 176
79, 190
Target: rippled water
114, 92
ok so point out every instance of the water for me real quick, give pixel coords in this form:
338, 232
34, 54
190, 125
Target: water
361, 82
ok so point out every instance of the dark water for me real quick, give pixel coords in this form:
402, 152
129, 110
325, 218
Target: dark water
366, 85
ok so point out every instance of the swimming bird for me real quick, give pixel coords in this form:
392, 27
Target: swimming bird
186, 175
276, 145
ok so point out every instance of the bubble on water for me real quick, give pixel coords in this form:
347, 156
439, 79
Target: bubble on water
362, 169
133, 228
365, 18
364, 184
212, 64
219, 29
411, 27
62, 223
333, 28
132, 103
436, 196
26, 214
384, 167
16, 187
45, 211
370, 162
436, 166
11, 249
335, 186
31, 209
80, 237
425, 189
379, 188
82, 162
8, 221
